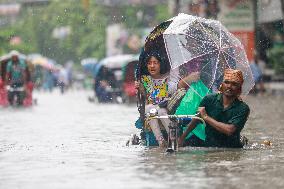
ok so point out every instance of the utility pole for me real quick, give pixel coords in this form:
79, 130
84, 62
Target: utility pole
177, 7
282, 8
256, 34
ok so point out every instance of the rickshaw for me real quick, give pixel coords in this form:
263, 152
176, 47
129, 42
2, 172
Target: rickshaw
4, 89
109, 70
190, 44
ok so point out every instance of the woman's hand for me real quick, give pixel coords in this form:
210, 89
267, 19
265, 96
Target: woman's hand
104, 83
187, 80
137, 84
194, 76
139, 87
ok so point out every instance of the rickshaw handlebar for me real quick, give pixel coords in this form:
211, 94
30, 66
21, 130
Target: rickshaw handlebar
195, 116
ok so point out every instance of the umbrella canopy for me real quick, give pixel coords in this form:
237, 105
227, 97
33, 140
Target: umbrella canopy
190, 44
118, 61
5, 57
89, 65
44, 63
8, 56
116, 64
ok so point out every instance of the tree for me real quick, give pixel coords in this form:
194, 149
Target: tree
66, 30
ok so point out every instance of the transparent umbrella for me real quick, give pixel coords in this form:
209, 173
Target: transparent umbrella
206, 46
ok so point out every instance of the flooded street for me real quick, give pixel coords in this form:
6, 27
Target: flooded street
67, 142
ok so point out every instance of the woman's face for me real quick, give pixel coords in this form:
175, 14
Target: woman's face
154, 66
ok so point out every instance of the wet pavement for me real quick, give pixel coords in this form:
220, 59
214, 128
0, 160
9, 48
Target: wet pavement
67, 142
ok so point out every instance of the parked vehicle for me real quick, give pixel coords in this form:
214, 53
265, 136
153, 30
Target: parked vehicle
128, 79
109, 78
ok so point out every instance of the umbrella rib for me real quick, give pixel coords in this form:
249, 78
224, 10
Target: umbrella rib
190, 87
227, 62
207, 53
210, 42
229, 56
220, 38
198, 57
228, 47
216, 66
210, 35
203, 55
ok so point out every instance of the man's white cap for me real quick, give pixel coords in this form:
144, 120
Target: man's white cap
14, 53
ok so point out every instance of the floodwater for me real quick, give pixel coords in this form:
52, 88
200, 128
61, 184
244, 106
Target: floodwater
67, 142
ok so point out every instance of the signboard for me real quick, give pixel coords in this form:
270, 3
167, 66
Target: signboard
269, 11
9, 9
130, 2
237, 16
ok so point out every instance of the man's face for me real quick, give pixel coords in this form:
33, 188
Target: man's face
231, 88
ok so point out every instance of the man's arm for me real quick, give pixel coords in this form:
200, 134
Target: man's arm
236, 122
189, 128
227, 129
8, 78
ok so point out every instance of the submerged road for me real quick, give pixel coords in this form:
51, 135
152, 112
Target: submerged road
67, 142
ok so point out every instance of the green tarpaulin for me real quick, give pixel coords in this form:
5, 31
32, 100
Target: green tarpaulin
190, 104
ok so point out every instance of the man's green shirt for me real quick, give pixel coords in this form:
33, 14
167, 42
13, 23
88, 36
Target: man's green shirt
236, 114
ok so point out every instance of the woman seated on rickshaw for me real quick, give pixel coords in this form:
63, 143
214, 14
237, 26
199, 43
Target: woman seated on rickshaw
158, 84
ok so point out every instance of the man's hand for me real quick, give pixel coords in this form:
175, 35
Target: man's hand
203, 112
180, 141
104, 83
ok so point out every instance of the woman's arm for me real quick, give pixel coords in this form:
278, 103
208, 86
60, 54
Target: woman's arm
140, 87
186, 81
